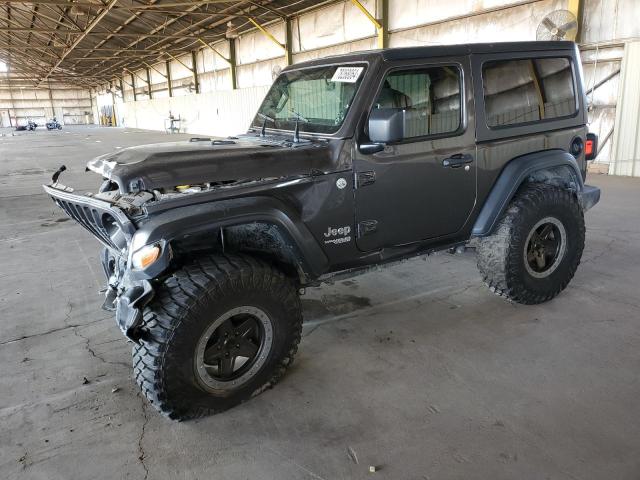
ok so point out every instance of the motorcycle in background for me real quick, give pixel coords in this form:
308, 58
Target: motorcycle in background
31, 125
54, 124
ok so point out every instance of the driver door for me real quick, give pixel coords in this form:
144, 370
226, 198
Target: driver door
424, 186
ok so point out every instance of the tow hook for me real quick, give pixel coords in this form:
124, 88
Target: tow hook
129, 308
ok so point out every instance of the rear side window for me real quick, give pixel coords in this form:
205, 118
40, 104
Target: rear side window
430, 98
530, 90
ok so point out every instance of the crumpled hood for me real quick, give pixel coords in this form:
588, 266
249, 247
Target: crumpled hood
167, 165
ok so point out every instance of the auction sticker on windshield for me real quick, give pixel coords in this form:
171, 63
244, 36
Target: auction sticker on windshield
347, 74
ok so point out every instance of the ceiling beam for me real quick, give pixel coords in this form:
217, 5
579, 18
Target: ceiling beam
87, 30
198, 30
85, 34
79, 39
66, 3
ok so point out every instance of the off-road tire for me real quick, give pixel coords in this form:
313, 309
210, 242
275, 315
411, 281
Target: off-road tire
185, 305
501, 256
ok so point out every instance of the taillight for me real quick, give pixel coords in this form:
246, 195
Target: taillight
588, 147
591, 146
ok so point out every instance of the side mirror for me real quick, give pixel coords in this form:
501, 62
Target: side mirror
386, 125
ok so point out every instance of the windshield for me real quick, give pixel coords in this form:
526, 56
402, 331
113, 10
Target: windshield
318, 98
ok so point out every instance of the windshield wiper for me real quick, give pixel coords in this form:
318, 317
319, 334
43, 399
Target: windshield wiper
264, 124
298, 116
296, 132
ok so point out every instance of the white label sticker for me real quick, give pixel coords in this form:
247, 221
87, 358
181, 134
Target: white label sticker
347, 74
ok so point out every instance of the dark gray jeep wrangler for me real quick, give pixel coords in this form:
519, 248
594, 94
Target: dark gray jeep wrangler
351, 161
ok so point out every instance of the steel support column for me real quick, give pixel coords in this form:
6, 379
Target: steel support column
288, 41
170, 87
194, 69
577, 8
113, 105
148, 82
232, 63
90, 106
133, 85
383, 31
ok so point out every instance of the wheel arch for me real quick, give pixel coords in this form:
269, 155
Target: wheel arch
554, 167
264, 226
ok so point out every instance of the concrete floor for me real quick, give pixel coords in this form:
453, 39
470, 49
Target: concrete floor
416, 368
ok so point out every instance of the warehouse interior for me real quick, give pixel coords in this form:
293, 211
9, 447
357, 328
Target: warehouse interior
414, 370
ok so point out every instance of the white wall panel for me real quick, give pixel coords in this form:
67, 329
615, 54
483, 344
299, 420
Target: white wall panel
625, 158
332, 25
179, 71
213, 113
606, 20
513, 24
211, 61
259, 74
215, 81
255, 46
69, 105
409, 13
156, 76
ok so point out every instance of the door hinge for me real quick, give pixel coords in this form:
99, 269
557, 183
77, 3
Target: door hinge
365, 178
367, 227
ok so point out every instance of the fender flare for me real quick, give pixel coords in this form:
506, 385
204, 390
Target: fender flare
513, 175
209, 217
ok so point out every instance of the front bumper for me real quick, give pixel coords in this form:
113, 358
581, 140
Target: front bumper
590, 196
129, 306
127, 292
126, 296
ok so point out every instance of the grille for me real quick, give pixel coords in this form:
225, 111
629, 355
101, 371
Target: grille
108, 223
100, 223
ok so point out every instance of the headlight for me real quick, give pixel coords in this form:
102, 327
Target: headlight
145, 256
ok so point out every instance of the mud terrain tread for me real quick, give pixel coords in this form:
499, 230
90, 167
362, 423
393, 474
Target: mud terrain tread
495, 253
207, 276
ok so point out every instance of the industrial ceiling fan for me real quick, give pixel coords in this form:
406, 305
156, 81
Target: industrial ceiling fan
558, 25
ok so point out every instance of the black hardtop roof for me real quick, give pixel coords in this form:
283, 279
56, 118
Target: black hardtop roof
410, 53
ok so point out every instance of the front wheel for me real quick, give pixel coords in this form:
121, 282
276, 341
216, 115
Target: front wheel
536, 248
219, 331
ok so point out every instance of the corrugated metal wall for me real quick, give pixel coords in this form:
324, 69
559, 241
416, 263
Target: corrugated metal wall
212, 113
626, 146
19, 105
330, 30
341, 28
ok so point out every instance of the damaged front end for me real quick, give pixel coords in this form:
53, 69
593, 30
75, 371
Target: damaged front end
129, 268
145, 188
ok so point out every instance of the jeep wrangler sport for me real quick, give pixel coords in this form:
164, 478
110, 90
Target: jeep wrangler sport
351, 161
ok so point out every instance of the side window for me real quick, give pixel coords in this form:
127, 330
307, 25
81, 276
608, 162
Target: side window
430, 98
523, 91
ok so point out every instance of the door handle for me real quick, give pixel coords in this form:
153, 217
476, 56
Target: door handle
457, 160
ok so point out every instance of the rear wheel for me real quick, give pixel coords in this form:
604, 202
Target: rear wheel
536, 248
219, 331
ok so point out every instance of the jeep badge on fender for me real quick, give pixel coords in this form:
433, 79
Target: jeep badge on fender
342, 232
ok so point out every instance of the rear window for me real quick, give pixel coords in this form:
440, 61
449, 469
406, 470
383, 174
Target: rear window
528, 90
